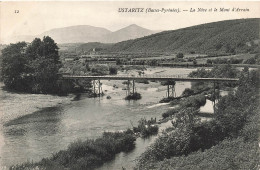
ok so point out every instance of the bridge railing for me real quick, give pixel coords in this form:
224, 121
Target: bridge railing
128, 76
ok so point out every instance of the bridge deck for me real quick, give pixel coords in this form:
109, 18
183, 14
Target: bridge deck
152, 77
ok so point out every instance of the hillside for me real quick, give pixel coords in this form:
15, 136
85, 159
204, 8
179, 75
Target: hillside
224, 36
131, 32
91, 45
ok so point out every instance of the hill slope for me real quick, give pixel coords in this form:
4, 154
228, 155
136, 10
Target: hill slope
131, 32
223, 36
90, 46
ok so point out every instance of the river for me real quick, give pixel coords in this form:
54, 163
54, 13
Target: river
41, 133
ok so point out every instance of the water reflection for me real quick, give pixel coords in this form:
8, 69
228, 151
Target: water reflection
26, 136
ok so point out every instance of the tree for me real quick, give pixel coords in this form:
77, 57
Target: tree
180, 55
44, 65
209, 61
100, 70
112, 70
251, 60
195, 62
33, 68
118, 61
14, 66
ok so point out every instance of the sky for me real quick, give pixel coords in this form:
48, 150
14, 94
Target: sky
36, 17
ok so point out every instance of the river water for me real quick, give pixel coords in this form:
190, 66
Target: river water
38, 135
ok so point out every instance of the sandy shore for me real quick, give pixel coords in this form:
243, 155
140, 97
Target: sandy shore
14, 105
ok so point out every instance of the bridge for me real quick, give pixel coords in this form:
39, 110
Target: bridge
97, 89
151, 77
170, 86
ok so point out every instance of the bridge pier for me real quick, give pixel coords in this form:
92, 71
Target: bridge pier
130, 89
171, 91
215, 95
97, 87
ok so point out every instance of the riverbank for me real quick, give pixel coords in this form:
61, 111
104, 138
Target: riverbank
235, 124
14, 105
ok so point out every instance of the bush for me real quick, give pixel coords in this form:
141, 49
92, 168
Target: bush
145, 81
234, 121
174, 143
169, 82
87, 154
229, 154
169, 113
209, 61
235, 61
146, 127
187, 92
112, 70
135, 96
180, 55
251, 60
194, 101
100, 70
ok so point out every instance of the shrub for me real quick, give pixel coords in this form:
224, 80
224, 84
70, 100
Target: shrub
146, 127
180, 55
209, 61
194, 101
169, 113
235, 61
87, 154
169, 82
187, 92
234, 120
145, 81
251, 60
135, 96
228, 154
174, 143
112, 70
100, 70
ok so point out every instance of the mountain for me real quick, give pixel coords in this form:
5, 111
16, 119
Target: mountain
131, 32
223, 36
76, 34
86, 33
